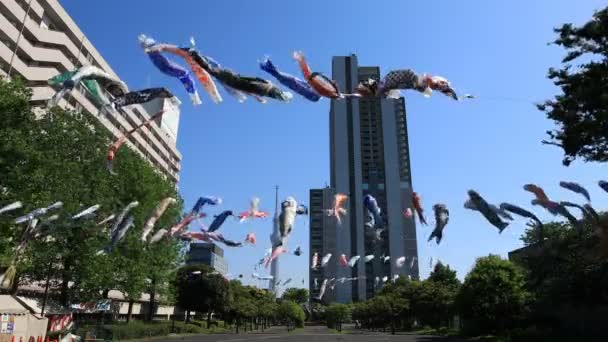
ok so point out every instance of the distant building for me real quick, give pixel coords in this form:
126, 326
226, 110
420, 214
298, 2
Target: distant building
39, 40
369, 154
322, 238
208, 254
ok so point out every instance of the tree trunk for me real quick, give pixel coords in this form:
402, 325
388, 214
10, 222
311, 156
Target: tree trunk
130, 311
238, 322
63, 294
152, 297
208, 319
393, 326
187, 316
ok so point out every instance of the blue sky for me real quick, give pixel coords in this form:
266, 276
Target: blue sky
496, 50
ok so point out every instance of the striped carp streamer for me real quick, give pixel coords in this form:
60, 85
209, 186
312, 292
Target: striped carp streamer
337, 209
400, 261
592, 212
161, 233
322, 84
170, 68
38, 212
299, 86
92, 78
141, 96
603, 184
156, 214
315, 261
405, 79
204, 200
408, 213
106, 220
250, 238
540, 194
275, 254
220, 238
253, 211
499, 211
325, 259
343, 260
201, 74
353, 261
369, 258
374, 214
10, 207
91, 86
123, 138
218, 220
520, 212
183, 224
575, 187
322, 290
121, 217
287, 217
558, 209
417, 204
248, 85
237, 94
484, 208
88, 212
442, 216
298, 251
118, 234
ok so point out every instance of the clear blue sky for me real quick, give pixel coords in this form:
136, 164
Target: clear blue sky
496, 50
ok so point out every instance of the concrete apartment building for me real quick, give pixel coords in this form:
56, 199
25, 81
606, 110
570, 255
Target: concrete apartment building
369, 154
39, 40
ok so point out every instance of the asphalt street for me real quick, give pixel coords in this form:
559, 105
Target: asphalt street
309, 334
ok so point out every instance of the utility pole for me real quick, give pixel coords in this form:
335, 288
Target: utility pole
274, 266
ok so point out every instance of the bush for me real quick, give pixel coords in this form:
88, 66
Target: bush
139, 329
336, 314
493, 297
292, 313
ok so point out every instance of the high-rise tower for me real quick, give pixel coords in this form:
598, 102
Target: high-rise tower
369, 154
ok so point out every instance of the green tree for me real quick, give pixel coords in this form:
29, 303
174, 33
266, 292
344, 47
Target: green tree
581, 110
551, 231
200, 289
433, 299
336, 314
567, 273
297, 295
60, 155
291, 313
493, 297
442, 274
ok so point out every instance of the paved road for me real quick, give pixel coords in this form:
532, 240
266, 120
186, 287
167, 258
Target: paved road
309, 334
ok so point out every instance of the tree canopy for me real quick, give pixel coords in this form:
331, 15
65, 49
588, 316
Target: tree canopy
493, 296
581, 110
58, 155
297, 295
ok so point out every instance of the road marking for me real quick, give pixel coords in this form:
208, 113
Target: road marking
251, 339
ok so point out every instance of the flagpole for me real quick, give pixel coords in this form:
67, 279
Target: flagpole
10, 67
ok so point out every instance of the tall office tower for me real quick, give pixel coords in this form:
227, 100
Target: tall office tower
322, 238
39, 40
208, 254
369, 154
